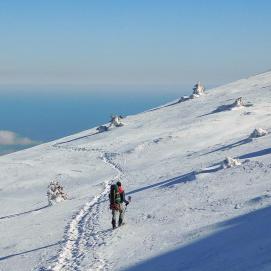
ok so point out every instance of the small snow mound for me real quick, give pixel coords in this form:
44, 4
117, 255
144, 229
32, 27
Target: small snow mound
55, 193
231, 162
193, 96
258, 132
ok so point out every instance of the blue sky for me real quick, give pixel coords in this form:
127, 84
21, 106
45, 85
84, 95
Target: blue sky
132, 42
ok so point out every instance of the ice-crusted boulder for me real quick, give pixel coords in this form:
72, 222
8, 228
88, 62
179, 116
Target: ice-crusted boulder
238, 102
55, 193
236, 105
230, 162
116, 121
258, 132
198, 89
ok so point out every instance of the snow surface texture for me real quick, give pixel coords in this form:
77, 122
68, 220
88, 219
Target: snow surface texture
188, 211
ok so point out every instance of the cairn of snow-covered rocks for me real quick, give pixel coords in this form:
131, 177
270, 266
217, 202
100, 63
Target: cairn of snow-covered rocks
230, 162
258, 132
55, 193
116, 121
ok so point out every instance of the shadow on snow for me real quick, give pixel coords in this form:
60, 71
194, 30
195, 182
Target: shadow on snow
163, 106
29, 251
167, 183
191, 176
230, 146
24, 213
225, 107
241, 244
256, 154
75, 139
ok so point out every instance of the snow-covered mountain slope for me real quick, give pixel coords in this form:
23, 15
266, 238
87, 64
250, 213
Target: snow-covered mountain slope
188, 212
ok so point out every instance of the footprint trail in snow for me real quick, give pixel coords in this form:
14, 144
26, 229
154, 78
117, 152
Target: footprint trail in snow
84, 232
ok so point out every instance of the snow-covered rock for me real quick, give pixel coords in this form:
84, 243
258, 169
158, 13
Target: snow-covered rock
198, 89
238, 102
55, 193
231, 162
116, 121
258, 132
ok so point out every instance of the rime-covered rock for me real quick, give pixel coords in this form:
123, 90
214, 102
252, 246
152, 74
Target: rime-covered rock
116, 121
198, 89
231, 162
55, 193
258, 132
238, 102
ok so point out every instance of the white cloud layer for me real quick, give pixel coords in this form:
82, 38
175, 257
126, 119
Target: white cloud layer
11, 138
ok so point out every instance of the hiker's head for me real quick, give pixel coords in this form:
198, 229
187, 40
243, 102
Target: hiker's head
118, 183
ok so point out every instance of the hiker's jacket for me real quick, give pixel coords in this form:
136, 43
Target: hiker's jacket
122, 195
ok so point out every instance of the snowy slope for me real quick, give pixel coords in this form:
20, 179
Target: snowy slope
187, 211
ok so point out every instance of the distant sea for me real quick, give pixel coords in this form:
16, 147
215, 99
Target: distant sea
44, 114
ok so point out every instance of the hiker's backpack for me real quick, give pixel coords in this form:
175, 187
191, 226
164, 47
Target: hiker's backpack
114, 194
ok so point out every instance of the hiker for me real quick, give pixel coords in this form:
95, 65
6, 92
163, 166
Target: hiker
117, 198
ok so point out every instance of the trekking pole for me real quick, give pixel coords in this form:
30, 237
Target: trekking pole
129, 199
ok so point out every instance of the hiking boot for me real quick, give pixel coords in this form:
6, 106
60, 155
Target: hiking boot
114, 224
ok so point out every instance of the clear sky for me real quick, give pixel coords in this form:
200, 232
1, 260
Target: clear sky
133, 41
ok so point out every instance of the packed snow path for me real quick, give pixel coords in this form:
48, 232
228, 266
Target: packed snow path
84, 232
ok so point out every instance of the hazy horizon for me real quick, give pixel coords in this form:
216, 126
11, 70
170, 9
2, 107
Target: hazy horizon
28, 118
133, 42
85, 60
